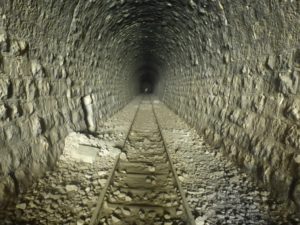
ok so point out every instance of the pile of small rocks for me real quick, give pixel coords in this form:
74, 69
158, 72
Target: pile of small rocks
65, 196
68, 195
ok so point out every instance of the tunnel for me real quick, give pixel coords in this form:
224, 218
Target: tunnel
147, 78
228, 69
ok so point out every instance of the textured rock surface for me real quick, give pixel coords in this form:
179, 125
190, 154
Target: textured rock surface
69, 194
217, 192
229, 68
52, 81
235, 77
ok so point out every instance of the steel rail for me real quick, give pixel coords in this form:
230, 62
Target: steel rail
95, 217
191, 220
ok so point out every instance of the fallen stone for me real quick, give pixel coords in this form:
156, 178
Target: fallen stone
115, 219
21, 206
80, 222
70, 188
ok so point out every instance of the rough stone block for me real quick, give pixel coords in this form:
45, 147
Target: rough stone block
3, 114
4, 42
37, 69
292, 136
88, 109
35, 126
289, 83
271, 62
4, 85
18, 47
293, 110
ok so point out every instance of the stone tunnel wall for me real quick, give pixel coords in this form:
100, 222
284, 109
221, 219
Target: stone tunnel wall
52, 81
237, 82
231, 69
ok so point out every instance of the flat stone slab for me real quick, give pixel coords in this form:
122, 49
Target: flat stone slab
83, 153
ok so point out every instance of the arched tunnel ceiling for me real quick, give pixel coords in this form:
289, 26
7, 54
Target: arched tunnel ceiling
156, 31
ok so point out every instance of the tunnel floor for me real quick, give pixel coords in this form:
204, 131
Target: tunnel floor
143, 187
215, 190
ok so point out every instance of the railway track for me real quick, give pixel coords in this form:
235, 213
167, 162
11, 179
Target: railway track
143, 187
